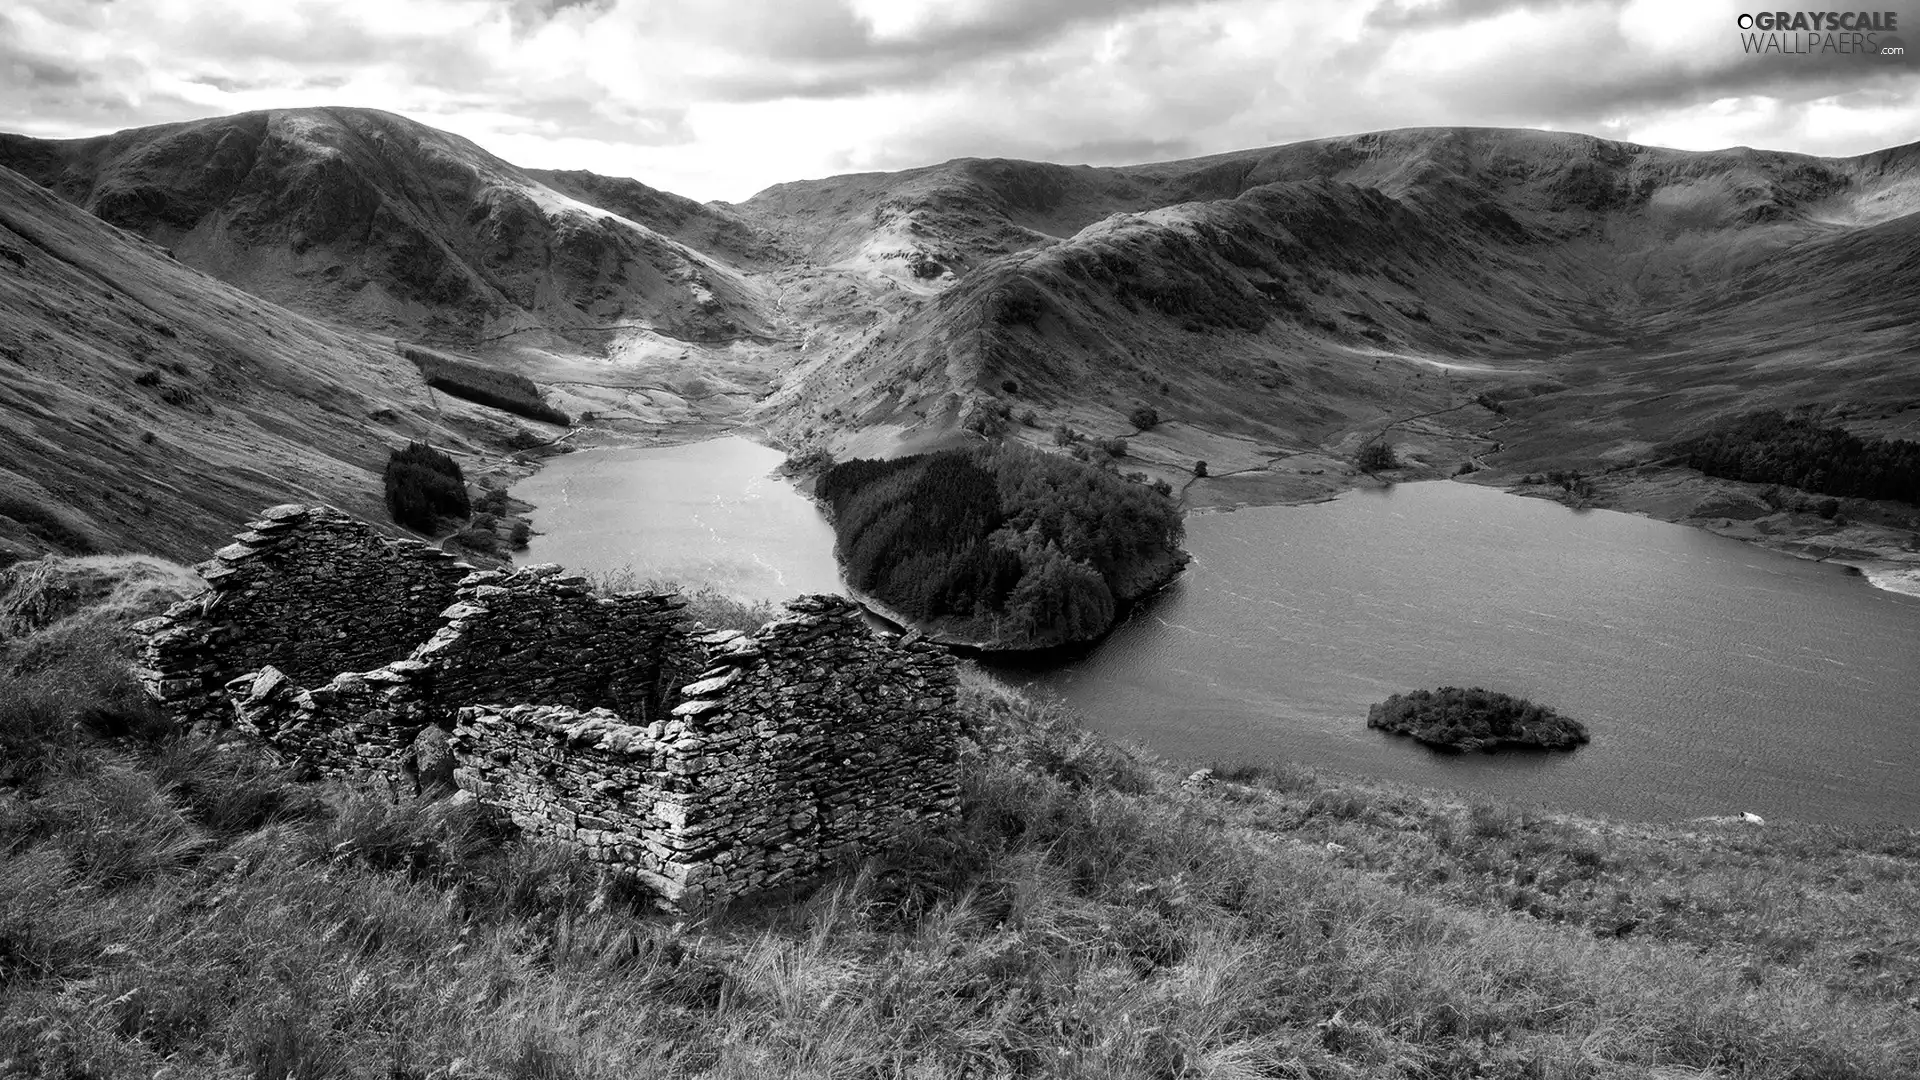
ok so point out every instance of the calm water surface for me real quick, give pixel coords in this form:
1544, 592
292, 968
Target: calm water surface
1715, 676
709, 512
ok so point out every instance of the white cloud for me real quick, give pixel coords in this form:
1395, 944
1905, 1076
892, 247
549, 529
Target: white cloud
718, 98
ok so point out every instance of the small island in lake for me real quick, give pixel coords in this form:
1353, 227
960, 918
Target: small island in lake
1474, 719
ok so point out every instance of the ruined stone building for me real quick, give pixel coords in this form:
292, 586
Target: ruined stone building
712, 765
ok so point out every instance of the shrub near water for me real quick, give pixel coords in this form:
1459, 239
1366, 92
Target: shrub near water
423, 486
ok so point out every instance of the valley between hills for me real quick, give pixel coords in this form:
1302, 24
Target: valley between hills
203, 318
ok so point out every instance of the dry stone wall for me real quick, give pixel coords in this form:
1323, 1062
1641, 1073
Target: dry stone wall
307, 589
541, 638
711, 765
802, 744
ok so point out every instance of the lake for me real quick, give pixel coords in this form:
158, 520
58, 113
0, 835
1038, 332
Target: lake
700, 513
1716, 677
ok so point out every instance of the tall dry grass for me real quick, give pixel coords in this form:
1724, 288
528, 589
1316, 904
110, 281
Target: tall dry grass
706, 602
174, 906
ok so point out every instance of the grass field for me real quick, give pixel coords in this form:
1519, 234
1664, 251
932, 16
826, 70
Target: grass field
172, 905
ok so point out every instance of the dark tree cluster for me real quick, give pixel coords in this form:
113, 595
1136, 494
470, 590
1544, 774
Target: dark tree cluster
1773, 448
1376, 456
1019, 546
482, 385
423, 486
1475, 719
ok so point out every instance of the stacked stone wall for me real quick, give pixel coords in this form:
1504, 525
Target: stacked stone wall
807, 742
613, 791
713, 765
354, 724
306, 589
536, 637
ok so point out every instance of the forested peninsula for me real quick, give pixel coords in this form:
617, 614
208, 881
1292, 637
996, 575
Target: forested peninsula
1001, 546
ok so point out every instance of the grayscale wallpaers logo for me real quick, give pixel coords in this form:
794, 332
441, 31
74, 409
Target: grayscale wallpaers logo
1869, 35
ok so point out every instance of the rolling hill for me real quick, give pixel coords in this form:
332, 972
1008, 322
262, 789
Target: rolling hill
380, 222
1312, 295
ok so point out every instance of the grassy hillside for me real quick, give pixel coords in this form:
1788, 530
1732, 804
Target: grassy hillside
171, 903
1281, 307
145, 406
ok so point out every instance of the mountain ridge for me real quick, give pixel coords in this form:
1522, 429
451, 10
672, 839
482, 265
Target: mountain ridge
315, 207
1504, 299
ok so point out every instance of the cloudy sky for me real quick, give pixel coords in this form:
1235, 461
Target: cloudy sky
719, 98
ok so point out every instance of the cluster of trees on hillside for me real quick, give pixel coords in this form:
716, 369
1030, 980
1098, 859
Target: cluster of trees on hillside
1020, 546
1774, 448
423, 486
482, 385
1376, 456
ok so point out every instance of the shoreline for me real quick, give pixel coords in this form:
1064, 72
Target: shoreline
1887, 557
973, 647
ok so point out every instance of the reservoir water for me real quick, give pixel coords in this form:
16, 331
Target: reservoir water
700, 513
1716, 677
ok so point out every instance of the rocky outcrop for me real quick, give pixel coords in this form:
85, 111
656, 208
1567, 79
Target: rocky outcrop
711, 765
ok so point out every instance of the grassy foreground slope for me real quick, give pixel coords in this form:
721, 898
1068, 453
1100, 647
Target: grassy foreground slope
171, 905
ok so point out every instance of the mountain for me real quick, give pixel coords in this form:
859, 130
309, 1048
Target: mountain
1316, 295
1503, 300
376, 221
147, 407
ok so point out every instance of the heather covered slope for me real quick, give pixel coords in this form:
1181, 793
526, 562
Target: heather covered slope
379, 222
145, 406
